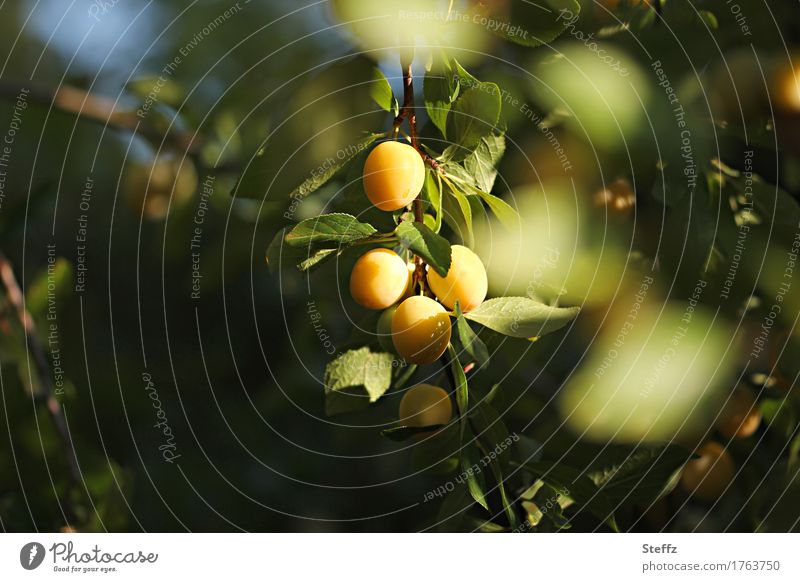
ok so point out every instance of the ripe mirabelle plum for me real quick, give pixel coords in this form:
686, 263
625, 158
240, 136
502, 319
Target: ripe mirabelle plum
786, 89
393, 175
466, 280
379, 279
420, 330
707, 478
425, 405
741, 416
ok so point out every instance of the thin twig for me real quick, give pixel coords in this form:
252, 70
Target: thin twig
101, 110
16, 298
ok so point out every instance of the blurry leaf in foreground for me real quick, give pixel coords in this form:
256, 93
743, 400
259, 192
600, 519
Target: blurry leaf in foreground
652, 379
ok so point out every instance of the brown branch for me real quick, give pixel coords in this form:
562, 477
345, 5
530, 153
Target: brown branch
35, 348
101, 110
408, 112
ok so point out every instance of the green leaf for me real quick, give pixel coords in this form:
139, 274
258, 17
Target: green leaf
709, 18
507, 506
421, 240
462, 391
469, 340
281, 256
355, 379
335, 164
481, 164
779, 416
403, 433
639, 474
576, 485
458, 213
463, 76
521, 317
532, 24
433, 194
459, 174
547, 501
317, 258
56, 278
476, 481
338, 228
491, 429
504, 212
474, 115
439, 93
381, 92
775, 204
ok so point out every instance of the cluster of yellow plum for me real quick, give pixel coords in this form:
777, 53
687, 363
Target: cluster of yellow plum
419, 326
415, 326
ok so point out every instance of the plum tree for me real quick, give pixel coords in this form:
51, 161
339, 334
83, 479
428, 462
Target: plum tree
393, 175
741, 416
425, 405
707, 478
379, 279
420, 330
465, 281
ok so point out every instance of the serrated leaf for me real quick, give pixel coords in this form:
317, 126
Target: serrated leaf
532, 24
469, 340
421, 240
355, 379
474, 115
481, 164
381, 92
403, 433
338, 228
521, 317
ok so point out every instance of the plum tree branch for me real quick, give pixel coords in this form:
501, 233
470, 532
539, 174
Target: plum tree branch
408, 112
101, 110
35, 348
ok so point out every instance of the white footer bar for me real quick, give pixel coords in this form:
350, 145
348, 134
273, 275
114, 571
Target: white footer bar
401, 557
